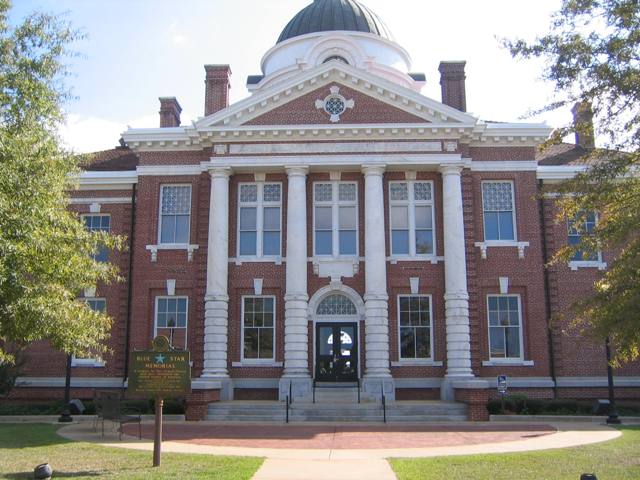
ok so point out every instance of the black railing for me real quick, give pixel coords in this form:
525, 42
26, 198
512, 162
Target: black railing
314, 390
384, 405
286, 420
290, 395
358, 390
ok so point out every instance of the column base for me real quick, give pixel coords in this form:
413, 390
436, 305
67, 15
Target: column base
447, 386
372, 388
298, 387
226, 384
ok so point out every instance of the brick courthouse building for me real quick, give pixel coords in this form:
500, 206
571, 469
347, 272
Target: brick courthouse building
338, 226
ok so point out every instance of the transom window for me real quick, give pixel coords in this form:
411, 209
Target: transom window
171, 320
259, 225
98, 223
97, 305
499, 212
175, 214
583, 224
336, 305
414, 322
505, 327
335, 218
258, 328
411, 215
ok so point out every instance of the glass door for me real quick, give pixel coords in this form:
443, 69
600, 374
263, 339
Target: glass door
336, 352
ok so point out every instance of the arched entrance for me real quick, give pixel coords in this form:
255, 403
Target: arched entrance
336, 331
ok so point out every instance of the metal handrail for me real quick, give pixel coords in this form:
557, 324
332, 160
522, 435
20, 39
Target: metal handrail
290, 395
358, 390
314, 390
384, 405
287, 416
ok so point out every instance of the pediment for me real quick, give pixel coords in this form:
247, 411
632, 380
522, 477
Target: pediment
296, 101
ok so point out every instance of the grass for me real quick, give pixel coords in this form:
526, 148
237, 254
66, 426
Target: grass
22, 447
615, 460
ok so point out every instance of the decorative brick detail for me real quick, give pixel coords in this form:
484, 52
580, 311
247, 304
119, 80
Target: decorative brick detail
198, 402
476, 400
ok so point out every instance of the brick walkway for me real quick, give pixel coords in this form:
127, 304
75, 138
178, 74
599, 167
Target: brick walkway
345, 437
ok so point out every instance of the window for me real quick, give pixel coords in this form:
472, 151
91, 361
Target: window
411, 215
336, 305
259, 225
499, 213
258, 328
505, 327
171, 320
97, 305
335, 207
175, 214
414, 320
98, 223
577, 230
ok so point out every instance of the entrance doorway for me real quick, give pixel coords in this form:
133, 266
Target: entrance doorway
337, 352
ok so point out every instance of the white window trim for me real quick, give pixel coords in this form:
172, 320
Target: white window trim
335, 205
510, 360
176, 246
259, 205
411, 204
429, 361
261, 362
155, 318
576, 264
90, 362
501, 243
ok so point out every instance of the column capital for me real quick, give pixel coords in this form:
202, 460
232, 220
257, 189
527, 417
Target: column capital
451, 169
373, 169
220, 172
297, 171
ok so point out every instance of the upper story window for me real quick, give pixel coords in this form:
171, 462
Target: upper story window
171, 320
414, 323
505, 327
411, 217
175, 214
259, 214
498, 211
335, 219
583, 224
98, 223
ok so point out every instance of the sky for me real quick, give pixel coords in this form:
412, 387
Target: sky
138, 50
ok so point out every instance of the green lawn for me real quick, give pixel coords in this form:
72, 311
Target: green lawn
615, 460
22, 447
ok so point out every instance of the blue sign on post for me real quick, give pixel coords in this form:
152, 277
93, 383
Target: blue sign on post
502, 384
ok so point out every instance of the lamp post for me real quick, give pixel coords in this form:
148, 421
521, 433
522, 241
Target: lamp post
612, 419
65, 417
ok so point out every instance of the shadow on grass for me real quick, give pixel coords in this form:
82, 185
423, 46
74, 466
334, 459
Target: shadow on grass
56, 474
17, 436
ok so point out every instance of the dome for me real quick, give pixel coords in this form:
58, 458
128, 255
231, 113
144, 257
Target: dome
330, 15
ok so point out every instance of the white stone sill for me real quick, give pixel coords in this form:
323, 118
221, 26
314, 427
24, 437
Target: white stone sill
172, 246
575, 265
248, 363
508, 363
427, 258
416, 363
88, 363
240, 260
484, 246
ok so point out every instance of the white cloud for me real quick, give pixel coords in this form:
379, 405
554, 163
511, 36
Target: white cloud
177, 37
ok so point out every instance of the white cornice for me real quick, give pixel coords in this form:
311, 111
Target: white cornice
504, 166
557, 173
124, 179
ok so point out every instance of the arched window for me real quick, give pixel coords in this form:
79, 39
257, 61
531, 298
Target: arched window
336, 305
336, 57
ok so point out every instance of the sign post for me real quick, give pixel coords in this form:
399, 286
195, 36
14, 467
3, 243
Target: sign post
160, 372
502, 389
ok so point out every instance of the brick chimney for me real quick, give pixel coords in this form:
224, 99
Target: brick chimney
217, 85
452, 79
583, 124
170, 111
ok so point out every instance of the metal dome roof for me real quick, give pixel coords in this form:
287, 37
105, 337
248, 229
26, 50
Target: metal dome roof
330, 15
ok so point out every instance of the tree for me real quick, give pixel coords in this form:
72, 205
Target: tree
592, 54
45, 252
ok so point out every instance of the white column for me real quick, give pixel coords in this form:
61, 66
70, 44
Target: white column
376, 299
216, 316
455, 270
296, 336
